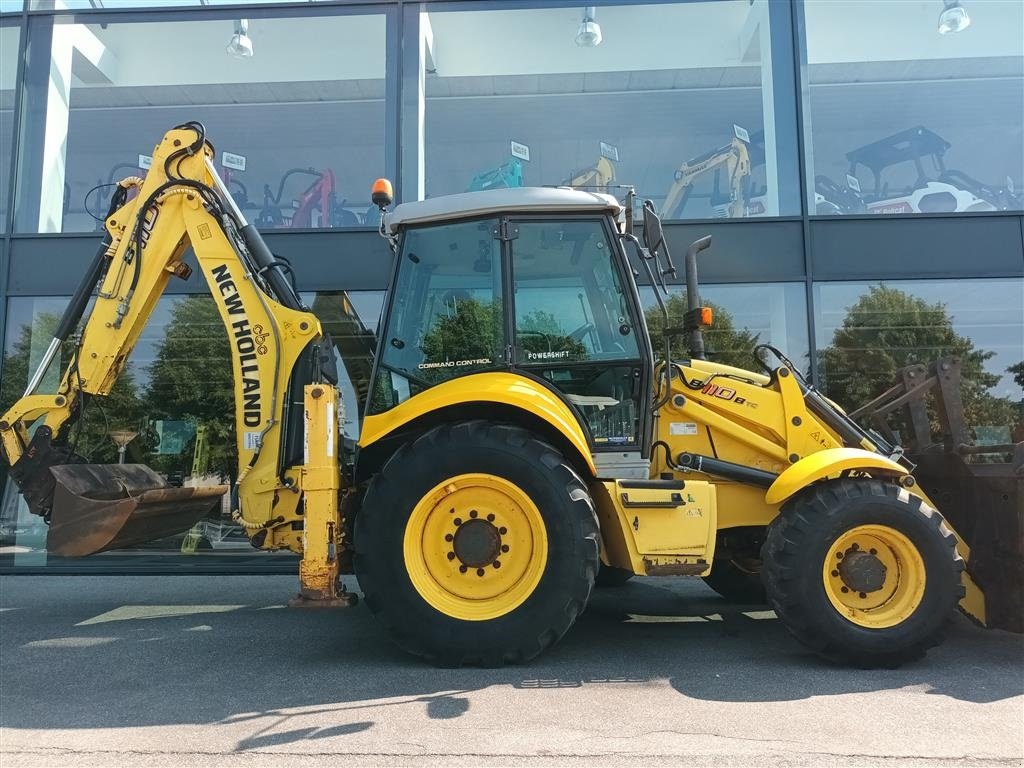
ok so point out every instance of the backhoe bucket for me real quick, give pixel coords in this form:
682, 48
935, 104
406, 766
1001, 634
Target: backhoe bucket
97, 507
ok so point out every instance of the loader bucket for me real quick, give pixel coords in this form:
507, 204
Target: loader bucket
985, 504
97, 507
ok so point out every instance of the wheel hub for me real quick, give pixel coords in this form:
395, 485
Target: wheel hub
874, 576
862, 571
476, 543
475, 546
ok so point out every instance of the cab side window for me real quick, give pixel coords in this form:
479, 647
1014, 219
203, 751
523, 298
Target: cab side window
446, 315
569, 302
573, 327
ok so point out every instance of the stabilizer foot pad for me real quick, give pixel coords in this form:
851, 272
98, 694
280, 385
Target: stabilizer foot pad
343, 600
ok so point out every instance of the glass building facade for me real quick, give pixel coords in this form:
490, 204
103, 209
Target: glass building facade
861, 173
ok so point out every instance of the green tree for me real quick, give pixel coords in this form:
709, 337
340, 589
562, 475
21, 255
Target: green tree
472, 331
191, 379
90, 435
1018, 373
540, 331
724, 342
887, 329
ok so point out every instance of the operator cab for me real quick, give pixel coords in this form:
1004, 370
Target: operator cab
529, 280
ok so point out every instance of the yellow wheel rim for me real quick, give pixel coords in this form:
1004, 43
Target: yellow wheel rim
475, 547
874, 576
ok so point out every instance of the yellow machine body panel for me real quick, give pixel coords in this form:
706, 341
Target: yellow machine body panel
657, 531
499, 388
825, 463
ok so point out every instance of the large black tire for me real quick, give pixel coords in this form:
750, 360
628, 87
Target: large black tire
609, 577
799, 541
737, 581
570, 523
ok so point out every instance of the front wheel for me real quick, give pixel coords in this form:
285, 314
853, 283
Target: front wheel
476, 544
862, 572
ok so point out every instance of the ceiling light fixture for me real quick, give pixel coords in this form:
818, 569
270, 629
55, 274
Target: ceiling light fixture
240, 45
953, 18
589, 33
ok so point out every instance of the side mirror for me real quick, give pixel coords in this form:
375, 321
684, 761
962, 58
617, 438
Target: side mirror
654, 237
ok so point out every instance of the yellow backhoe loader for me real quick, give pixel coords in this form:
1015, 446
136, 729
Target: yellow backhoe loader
732, 158
520, 433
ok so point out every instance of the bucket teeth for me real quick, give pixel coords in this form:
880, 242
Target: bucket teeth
98, 507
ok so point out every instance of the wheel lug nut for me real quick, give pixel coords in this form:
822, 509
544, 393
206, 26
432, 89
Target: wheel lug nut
463, 569
449, 537
835, 573
839, 555
490, 518
844, 589
855, 547
479, 571
503, 530
504, 547
873, 551
496, 563
863, 595
451, 555
472, 513
457, 521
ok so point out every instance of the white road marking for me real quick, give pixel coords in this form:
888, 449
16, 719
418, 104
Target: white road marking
129, 612
760, 614
70, 642
639, 618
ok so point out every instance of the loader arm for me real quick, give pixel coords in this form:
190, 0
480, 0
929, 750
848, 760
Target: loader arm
284, 371
734, 157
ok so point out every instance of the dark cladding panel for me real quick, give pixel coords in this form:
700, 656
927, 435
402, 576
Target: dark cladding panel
355, 261
886, 248
746, 252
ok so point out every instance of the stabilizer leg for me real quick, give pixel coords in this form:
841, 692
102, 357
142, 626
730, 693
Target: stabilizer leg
319, 582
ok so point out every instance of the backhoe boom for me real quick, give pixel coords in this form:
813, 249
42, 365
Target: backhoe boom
278, 351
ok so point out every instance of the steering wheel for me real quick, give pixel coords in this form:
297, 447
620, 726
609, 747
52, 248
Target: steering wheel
546, 336
582, 331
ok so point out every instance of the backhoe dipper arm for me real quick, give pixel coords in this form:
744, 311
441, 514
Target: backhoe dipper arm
277, 346
734, 156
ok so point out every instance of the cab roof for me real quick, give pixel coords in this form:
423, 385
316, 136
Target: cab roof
494, 201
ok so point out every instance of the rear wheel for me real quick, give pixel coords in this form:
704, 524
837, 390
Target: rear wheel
476, 544
862, 572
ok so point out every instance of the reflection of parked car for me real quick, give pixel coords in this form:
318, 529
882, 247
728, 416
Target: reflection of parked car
945, 191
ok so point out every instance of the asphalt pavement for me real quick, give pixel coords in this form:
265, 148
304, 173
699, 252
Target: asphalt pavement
213, 670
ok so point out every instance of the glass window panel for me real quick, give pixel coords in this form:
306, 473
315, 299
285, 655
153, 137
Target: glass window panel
446, 315
907, 120
533, 97
350, 318
177, 385
745, 315
9, 38
11, 6
867, 331
569, 301
78, 5
307, 131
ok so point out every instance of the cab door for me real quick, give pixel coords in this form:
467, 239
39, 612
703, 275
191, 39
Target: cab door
574, 324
